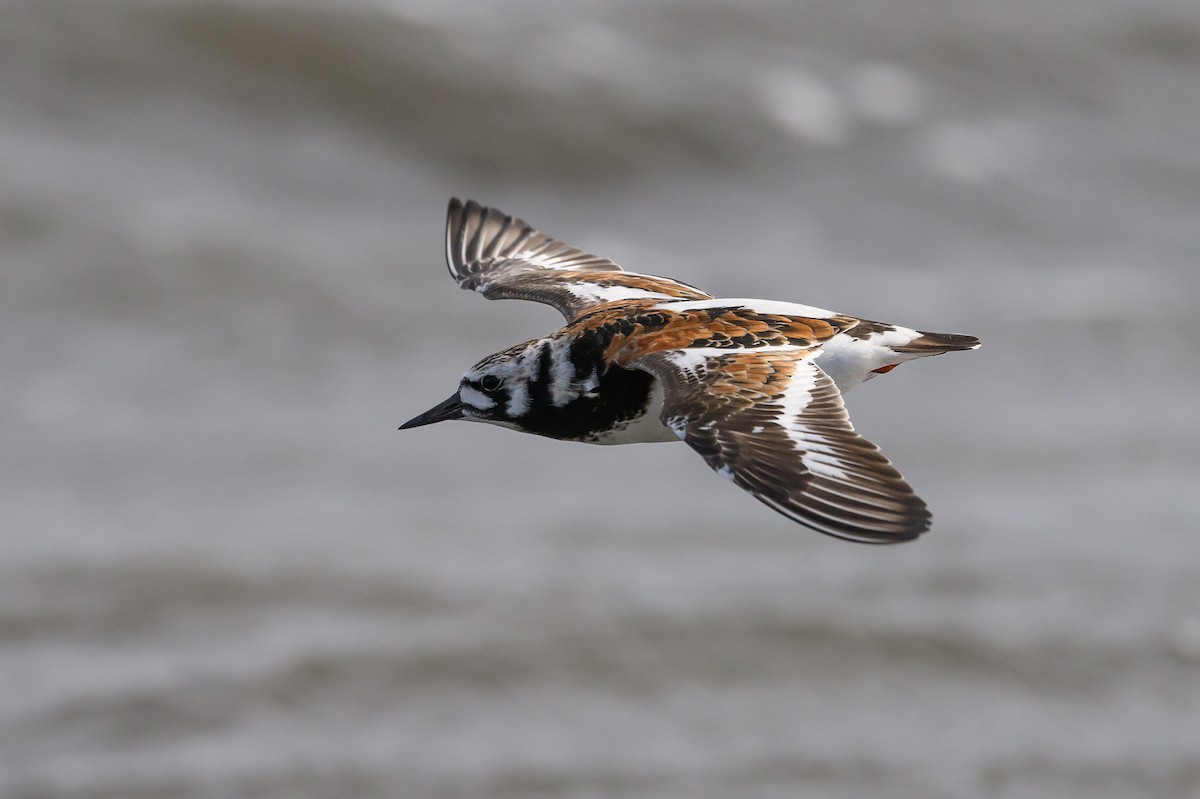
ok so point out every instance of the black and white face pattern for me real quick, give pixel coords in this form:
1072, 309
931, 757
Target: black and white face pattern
556, 388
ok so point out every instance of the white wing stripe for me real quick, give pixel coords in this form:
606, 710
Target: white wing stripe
773, 307
774, 423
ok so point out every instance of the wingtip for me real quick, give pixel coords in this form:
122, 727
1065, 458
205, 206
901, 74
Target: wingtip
459, 210
454, 224
857, 528
466, 221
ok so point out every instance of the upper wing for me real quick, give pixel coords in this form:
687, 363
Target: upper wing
773, 423
502, 257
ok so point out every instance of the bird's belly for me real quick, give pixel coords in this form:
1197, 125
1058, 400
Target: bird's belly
850, 361
642, 429
845, 363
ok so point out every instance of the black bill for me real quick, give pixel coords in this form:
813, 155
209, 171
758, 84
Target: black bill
450, 409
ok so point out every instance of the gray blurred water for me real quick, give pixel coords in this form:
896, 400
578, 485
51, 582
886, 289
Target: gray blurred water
224, 573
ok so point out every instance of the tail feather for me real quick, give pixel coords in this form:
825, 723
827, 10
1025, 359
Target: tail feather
937, 343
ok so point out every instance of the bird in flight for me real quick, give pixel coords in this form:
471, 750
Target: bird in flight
754, 386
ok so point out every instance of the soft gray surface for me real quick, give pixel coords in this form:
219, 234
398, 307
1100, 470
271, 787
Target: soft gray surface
224, 573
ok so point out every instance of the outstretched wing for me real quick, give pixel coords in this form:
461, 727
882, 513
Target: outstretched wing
773, 423
502, 257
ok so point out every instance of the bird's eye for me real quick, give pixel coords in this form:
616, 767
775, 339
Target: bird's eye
490, 383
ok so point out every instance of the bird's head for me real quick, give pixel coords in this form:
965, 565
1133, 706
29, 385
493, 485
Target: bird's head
495, 390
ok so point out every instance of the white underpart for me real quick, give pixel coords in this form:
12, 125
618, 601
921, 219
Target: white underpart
758, 306
476, 399
850, 361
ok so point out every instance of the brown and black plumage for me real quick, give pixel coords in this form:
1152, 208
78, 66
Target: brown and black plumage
754, 386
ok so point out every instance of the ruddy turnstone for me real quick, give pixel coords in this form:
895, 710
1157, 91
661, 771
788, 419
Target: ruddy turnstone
754, 386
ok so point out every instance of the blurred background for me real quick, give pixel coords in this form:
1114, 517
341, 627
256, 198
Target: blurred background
223, 572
